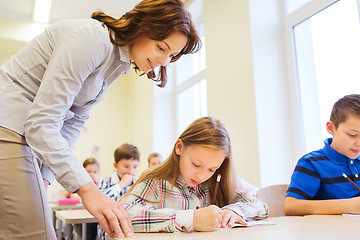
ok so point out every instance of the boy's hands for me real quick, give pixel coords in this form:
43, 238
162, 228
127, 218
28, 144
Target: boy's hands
229, 218
125, 180
108, 212
207, 219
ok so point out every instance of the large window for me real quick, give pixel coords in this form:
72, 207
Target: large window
327, 59
191, 98
184, 97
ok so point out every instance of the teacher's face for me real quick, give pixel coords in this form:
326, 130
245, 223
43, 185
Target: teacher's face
149, 54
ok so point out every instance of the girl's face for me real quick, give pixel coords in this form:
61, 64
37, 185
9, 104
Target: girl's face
93, 171
149, 54
197, 163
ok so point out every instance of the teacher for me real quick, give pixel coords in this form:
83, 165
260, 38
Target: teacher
47, 90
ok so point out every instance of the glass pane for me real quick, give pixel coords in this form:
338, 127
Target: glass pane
191, 64
191, 104
328, 60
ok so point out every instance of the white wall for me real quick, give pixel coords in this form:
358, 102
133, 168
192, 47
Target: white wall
230, 80
280, 139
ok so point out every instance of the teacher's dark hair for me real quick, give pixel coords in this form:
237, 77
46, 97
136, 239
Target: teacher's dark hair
157, 20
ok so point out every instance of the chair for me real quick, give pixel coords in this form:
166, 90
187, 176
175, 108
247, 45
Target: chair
274, 197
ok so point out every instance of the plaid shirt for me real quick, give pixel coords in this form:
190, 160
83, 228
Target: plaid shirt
176, 212
110, 186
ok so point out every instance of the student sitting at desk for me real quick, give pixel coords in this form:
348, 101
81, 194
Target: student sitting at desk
126, 163
179, 194
154, 160
92, 167
317, 184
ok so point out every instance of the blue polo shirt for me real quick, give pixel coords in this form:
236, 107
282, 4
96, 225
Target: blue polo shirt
318, 175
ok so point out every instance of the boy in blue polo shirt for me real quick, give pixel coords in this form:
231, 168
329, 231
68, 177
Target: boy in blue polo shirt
317, 184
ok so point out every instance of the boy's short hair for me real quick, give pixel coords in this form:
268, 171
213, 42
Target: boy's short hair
126, 151
349, 104
152, 155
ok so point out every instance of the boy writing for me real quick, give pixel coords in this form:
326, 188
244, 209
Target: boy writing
317, 184
126, 163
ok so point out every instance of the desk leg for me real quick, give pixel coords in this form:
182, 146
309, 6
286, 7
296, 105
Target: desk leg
68, 231
59, 230
84, 231
54, 219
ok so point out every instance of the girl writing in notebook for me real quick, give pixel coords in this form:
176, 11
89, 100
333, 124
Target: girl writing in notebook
177, 195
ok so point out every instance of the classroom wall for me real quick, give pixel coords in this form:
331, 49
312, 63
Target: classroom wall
230, 80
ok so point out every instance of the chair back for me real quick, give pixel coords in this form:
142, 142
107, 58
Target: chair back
274, 197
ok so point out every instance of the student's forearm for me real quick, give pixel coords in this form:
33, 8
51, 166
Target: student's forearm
295, 206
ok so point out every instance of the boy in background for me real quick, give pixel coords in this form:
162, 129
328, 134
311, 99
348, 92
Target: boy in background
317, 184
127, 158
154, 160
126, 163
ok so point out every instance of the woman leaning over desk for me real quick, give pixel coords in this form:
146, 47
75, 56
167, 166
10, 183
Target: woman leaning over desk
47, 90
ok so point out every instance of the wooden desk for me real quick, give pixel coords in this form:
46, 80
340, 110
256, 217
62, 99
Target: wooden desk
56, 207
76, 217
329, 227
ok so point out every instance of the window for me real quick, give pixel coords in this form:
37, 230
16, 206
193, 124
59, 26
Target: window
191, 99
184, 97
327, 59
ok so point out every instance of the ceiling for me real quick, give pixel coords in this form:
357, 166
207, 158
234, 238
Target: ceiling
16, 16
61, 9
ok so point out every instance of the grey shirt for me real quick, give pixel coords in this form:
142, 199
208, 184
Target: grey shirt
48, 88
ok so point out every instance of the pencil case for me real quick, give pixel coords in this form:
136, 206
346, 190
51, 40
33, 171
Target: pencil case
68, 201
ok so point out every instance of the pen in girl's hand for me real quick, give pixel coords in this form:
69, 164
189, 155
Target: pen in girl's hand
216, 187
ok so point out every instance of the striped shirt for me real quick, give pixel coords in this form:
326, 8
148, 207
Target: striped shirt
176, 212
110, 186
318, 175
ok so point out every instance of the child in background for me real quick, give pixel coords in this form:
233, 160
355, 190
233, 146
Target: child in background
317, 184
154, 160
126, 163
165, 198
92, 167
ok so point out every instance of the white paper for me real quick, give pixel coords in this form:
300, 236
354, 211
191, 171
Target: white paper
254, 223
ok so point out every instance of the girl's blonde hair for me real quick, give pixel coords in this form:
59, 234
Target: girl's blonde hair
157, 20
207, 132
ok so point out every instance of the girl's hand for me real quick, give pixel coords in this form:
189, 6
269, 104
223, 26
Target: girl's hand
207, 219
229, 218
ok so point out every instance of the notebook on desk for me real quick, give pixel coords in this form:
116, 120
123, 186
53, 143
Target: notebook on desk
254, 223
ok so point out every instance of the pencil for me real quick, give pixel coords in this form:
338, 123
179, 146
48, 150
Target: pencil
347, 178
216, 187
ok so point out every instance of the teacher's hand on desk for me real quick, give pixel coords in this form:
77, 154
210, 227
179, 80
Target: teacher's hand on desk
106, 211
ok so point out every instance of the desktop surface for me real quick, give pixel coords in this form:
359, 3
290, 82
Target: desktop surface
317, 227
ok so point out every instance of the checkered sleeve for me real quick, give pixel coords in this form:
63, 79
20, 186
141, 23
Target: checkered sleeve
248, 207
148, 216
